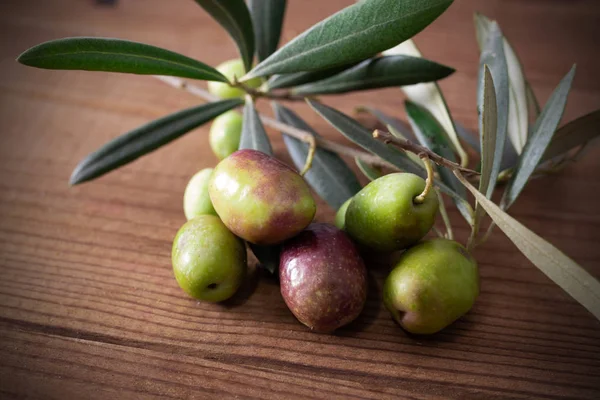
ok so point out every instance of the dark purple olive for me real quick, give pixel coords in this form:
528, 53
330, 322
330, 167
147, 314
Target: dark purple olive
323, 278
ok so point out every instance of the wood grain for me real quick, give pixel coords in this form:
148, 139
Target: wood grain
88, 304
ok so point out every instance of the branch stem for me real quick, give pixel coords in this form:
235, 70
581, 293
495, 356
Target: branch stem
407, 145
299, 134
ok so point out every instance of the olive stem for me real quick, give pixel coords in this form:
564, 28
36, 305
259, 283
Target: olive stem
310, 156
407, 145
420, 199
283, 95
445, 217
299, 134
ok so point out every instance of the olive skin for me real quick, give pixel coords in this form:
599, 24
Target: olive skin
259, 198
209, 262
196, 200
225, 133
384, 215
232, 69
323, 278
340, 216
433, 284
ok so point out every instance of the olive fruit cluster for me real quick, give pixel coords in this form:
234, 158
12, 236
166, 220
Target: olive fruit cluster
251, 197
434, 282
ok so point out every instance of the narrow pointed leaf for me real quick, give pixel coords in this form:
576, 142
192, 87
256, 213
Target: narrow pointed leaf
431, 134
254, 135
565, 272
329, 175
389, 121
368, 170
518, 113
234, 17
492, 55
352, 34
267, 20
145, 139
377, 73
361, 136
488, 121
267, 256
115, 55
300, 78
543, 131
576, 133
469, 137
429, 96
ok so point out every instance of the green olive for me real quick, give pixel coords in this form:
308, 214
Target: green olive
225, 133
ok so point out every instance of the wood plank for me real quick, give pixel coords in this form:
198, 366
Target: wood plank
88, 304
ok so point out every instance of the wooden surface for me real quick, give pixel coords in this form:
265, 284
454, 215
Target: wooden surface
88, 304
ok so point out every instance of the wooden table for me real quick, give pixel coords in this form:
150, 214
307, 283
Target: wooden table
88, 304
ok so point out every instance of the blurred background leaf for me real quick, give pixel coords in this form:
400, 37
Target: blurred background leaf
267, 20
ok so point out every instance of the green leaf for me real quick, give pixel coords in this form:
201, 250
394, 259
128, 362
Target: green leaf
431, 134
429, 96
352, 34
492, 55
576, 133
543, 131
300, 78
234, 17
488, 121
377, 73
358, 134
115, 55
329, 175
573, 279
145, 139
361, 136
518, 118
254, 135
368, 170
469, 137
267, 20
390, 122
267, 256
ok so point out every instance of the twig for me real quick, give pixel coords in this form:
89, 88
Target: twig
281, 95
299, 134
407, 145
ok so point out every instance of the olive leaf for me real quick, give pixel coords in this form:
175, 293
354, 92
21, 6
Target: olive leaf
567, 274
234, 17
353, 34
429, 96
329, 175
369, 171
492, 55
431, 134
532, 101
115, 55
488, 121
469, 137
254, 135
536, 145
377, 73
576, 133
392, 123
146, 138
299, 78
518, 118
358, 134
267, 20
267, 256
361, 136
